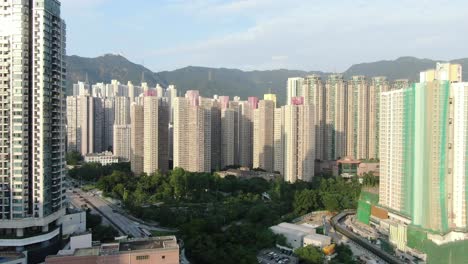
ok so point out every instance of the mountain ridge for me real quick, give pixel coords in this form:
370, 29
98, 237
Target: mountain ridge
231, 81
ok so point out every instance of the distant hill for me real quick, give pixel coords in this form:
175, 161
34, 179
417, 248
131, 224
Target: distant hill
106, 68
231, 82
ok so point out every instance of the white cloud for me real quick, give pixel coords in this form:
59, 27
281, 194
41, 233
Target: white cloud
312, 35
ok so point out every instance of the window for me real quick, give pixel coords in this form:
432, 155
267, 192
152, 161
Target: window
142, 257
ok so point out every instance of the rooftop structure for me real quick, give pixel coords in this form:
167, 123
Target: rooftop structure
104, 158
150, 250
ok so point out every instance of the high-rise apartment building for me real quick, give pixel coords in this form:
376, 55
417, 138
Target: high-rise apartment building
278, 141
155, 143
299, 141
228, 133
122, 142
263, 153
245, 128
213, 106
400, 84
171, 94
84, 124
80, 88
294, 88
377, 87
192, 133
121, 129
357, 126
137, 138
335, 117
270, 97
32, 149
108, 105
423, 152
313, 92
122, 110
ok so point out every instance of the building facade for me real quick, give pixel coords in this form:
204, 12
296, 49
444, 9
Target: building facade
155, 143
263, 153
192, 133
423, 145
314, 94
299, 142
137, 138
32, 150
335, 117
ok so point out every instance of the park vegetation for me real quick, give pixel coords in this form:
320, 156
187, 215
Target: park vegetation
221, 220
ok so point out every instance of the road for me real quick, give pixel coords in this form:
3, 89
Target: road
79, 202
125, 225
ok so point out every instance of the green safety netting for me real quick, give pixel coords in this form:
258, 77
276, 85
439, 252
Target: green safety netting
366, 200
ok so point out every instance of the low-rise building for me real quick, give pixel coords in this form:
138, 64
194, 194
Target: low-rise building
104, 158
294, 234
347, 167
157, 250
316, 240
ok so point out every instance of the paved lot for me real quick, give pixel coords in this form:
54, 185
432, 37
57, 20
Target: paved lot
275, 256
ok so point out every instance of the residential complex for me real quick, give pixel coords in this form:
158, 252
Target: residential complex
423, 139
150, 127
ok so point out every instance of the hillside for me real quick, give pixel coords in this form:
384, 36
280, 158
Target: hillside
231, 82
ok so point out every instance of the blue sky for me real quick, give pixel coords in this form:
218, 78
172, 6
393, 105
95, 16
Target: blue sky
328, 35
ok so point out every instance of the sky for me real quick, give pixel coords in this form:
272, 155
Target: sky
327, 35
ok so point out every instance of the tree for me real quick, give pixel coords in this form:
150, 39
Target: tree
104, 233
305, 201
309, 255
92, 220
74, 158
369, 179
178, 181
344, 255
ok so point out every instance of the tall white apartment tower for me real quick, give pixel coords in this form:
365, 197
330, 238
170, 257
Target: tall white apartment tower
33, 109
299, 142
294, 88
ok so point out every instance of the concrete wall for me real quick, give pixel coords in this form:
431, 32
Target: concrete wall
73, 223
81, 241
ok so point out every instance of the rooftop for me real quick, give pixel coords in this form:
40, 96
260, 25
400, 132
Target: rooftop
153, 243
